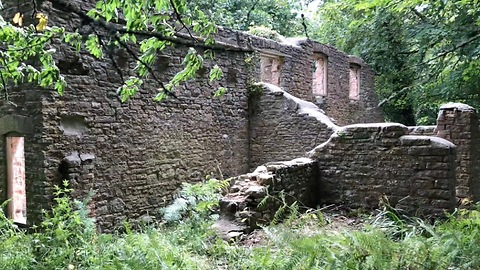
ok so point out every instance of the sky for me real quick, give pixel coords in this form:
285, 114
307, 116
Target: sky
312, 8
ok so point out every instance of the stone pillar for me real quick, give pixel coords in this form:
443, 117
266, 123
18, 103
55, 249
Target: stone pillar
458, 123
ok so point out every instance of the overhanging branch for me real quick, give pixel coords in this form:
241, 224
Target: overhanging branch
454, 48
150, 70
178, 38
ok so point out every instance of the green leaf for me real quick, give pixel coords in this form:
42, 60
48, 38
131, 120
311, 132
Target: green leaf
220, 92
215, 73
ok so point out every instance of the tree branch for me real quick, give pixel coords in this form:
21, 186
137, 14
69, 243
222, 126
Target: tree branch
179, 18
454, 48
34, 12
110, 55
420, 15
304, 25
250, 11
179, 38
393, 96
410, 52
150, 70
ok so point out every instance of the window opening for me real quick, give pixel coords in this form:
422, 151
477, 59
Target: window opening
320, 75
16, 192
354, 82
271, 68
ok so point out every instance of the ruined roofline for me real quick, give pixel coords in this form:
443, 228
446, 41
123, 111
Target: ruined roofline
244, 39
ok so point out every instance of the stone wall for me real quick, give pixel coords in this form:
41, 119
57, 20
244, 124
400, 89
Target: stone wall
21, 115
283, 127
134, 155
297, 71
296, 180
337, 103
458, 123
361, 165
422, 130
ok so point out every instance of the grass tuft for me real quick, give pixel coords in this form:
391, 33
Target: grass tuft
67, 239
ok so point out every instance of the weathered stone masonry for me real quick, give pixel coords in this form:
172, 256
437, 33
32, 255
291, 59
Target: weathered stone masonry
297, 70
366, 165
276, 117
362, 163
134, 155
458, 123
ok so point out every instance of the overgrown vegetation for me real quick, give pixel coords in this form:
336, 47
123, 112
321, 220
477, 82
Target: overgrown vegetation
262, 31
67, 239
281, 16
140, 31
425, 53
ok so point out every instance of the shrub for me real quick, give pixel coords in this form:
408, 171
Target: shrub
67, 239
265, 32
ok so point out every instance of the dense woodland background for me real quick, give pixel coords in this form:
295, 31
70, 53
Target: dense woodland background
425, 53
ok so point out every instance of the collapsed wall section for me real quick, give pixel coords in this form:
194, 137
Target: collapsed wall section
422, 130
254, 198
367, 164
283, 127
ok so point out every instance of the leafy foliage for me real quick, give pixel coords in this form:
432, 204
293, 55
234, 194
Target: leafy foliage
425, 52
26, 57
195, 201
265, 32
67, 239
27, 51
279, 15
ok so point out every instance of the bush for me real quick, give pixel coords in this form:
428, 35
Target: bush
265, 32
67, 239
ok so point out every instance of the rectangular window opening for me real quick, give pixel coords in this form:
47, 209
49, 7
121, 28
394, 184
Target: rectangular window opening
271, 68
320, 75
16, 191
354, 82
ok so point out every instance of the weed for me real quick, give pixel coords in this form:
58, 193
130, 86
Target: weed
67, 239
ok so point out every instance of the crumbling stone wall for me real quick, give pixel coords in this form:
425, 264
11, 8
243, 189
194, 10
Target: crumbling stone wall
142, 150
337, 103
134, 155
422, 130
295, 179
283, 127
458, 123
360, 165
294, 58
298, 58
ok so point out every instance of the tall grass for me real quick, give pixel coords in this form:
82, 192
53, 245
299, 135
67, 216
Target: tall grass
67, 239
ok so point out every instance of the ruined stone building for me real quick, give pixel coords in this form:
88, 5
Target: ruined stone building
135, 155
